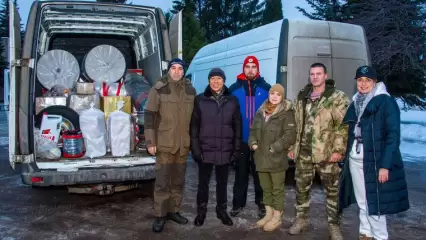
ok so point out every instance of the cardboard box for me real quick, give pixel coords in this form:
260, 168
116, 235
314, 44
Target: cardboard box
44, 102
82, 102
85, 88
109, 104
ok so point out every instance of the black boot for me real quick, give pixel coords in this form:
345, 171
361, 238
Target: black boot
201, 214
177, 218
199, 219
223, 216
262, 210
235, 211
158, 224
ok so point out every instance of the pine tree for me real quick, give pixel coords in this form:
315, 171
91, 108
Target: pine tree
4, 17
3, 61
396, 34
329, 10
251, 14
168, 16
273, 11
4, 30
192, 33
212, 20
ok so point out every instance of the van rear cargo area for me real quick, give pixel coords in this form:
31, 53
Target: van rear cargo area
75, 31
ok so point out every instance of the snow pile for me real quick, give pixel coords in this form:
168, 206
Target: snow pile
413, 135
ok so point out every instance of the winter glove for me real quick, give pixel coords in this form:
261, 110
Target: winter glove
198, 158
234, 158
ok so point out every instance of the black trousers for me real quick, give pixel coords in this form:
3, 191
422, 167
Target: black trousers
243, 168
204, 174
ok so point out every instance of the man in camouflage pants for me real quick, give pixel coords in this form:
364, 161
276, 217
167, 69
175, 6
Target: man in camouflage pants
320, 145
167, 117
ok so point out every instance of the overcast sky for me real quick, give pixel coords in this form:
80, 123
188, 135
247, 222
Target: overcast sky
289, 7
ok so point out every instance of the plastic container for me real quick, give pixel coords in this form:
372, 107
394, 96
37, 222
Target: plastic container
73, 144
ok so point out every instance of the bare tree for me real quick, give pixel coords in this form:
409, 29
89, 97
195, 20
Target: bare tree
396, 34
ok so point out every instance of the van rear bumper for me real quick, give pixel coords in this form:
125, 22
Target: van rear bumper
88, 176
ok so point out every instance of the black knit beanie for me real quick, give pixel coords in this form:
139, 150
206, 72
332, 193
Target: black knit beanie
218, 73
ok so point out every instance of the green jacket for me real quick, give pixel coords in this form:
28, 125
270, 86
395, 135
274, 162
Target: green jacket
168, 113
273, 137
329, 135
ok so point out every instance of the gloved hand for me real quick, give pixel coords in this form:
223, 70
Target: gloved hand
198, 158
234, 158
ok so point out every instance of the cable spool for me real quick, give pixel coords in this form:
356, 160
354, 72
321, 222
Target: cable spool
73, 144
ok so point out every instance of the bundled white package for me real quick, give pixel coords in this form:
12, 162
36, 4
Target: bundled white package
92, 124
58, 67
78, 102
104, 63
119, 131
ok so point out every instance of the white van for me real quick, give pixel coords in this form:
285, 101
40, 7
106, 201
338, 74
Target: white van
139, 32
286, 49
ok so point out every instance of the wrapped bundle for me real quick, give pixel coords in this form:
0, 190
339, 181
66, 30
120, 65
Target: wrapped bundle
44, 102
104, 63
57, 67
137, 87
119, 126
83, 102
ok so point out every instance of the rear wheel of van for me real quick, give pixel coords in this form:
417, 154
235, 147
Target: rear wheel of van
70, 117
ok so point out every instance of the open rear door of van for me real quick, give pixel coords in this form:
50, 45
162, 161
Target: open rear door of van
14, 75
175, 35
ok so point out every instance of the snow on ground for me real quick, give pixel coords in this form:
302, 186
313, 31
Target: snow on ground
413, 135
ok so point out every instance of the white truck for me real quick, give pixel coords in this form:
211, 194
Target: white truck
139, 32
285, 49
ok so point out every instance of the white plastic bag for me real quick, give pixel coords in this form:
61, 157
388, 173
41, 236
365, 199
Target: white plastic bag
92, 124
45, 148
119, 131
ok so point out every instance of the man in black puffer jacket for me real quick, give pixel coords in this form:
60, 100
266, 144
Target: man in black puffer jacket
215, 139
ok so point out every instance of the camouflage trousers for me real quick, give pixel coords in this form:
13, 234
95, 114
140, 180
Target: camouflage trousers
304, 176
170, 170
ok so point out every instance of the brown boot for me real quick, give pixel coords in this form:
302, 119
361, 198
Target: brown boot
274, 223
268, 217
364, 237
335, 233
300, 225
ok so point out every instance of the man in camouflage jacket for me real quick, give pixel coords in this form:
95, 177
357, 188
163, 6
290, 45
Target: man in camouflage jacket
167, 118
320, 145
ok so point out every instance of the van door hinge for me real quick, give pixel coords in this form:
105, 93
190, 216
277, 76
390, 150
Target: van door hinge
283, 69
164, 65
24, 62
18, 159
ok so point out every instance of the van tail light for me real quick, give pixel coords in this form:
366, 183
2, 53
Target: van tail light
37, 179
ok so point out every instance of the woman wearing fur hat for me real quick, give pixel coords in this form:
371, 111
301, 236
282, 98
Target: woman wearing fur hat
373, 175
272, 133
